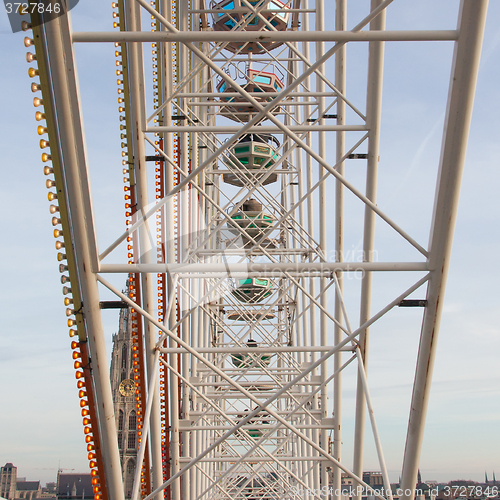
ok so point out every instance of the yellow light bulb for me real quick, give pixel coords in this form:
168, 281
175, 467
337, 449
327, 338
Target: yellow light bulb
54, 209
28, 42
46, 157
39, 116
35, 87
59, 245
30, 57
44, 144
41, 130
47, 170
50, 183
61, 256
52, 196
57, 234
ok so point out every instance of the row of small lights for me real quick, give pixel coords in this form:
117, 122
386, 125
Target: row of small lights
159, 239
128, 222
65, 280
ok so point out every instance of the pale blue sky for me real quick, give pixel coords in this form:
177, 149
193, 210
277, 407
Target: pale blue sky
39, 414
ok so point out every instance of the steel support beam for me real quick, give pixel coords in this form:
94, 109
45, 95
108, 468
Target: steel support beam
65, 98
340, 84
138, 122
265, 36
465, 67
373, 120
265, 267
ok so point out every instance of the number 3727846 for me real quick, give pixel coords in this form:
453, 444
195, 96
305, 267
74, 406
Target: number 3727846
31, 7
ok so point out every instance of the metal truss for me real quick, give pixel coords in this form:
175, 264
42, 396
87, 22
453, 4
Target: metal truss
241, 325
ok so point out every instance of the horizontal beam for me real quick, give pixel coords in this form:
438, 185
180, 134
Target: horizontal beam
254, 459
254, 350
264, 267
265, 36
262, 129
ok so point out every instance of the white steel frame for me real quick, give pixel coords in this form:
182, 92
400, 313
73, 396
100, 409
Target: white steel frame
218, 449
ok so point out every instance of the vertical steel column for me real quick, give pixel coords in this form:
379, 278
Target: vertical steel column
184, 228
170, 81
138, 112
373, 116
165, 91
309, 337
320, 87
74, 166
466, 58
340, 83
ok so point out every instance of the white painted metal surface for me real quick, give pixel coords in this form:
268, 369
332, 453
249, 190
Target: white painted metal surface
244, 353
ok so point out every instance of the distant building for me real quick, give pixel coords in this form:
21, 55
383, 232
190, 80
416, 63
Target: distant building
74, 486
50, 489
28, 489
374, 479
123, 389
8, 480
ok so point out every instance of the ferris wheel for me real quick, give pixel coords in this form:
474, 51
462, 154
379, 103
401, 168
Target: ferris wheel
250, 319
